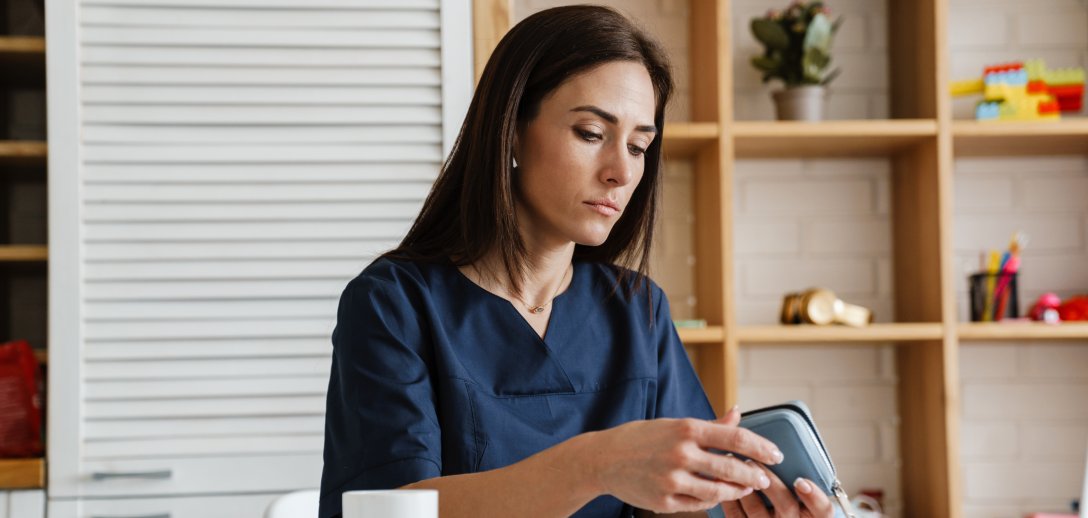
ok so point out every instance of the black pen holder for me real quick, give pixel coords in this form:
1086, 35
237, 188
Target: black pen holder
1000, 290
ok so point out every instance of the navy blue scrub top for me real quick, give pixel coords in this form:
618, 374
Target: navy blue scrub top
432, 375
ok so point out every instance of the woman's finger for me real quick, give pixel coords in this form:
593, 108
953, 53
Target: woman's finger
785, 504
710, 490
817, 503
754, 507
737, 440
732, 509
730, 469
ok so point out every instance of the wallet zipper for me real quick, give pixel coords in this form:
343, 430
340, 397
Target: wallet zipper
844, 501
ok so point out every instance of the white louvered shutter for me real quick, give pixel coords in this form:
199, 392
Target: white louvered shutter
219, 170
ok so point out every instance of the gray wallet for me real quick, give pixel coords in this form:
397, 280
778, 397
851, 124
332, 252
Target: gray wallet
791, 427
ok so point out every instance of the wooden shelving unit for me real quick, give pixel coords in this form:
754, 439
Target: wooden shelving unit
758, 139
808, 334
1064, 137
22, 65
684, 140
920, 140
22, 474
699, 336
1023, 331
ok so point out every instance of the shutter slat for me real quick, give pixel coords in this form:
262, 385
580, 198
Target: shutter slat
259, 76
196, 329
179, 232
267, 347
211, 290
115, 134
241, 96
188, 270
360, 191
301, 115
239, 18
264, 173
204, 446
223, 37
258, 57
277, 406
199, 370
250, 154
218, 427
287, 211
173, 389
282, 249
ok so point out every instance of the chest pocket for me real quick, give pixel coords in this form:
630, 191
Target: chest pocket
511, 428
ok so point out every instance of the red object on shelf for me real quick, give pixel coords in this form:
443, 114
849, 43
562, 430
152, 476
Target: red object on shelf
1074, 308
1069, 97
20, 401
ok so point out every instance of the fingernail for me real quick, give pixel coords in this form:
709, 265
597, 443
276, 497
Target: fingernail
777, 457
747, 491
802, 485
764, 482
736, 408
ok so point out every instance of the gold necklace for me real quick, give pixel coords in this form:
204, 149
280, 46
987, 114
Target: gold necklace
536, 310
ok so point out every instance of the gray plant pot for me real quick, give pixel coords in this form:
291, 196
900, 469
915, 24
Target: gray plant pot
800, 103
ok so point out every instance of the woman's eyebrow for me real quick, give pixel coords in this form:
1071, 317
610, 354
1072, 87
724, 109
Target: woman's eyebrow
611, 118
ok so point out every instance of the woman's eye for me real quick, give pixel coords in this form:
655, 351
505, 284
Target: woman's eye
635, 150
589, 135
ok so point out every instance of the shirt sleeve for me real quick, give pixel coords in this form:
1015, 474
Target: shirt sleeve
679, 392
381, 426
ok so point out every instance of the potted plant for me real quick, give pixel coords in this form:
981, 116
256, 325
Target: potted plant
797, 43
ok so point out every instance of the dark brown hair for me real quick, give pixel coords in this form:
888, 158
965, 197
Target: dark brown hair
470, 209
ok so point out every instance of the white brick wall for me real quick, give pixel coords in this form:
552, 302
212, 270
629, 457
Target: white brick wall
860, 49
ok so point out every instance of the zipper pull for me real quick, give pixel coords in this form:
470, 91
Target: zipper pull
844, 501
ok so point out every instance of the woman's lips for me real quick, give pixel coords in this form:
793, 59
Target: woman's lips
603, 208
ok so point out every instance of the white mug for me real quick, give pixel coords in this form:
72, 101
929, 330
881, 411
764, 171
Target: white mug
392, 503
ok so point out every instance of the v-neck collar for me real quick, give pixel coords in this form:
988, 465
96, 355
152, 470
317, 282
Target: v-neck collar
549, 337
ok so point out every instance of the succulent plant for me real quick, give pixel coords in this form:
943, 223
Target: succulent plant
797, 44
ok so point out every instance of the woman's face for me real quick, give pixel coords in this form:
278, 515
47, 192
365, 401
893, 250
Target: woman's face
581, 158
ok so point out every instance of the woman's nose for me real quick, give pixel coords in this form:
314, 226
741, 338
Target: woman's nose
618, 169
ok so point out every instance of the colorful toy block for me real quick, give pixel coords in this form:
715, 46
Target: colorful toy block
1024, 91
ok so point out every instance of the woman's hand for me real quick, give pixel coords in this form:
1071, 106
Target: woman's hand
656, 464
814, 503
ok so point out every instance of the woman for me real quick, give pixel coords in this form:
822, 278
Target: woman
497, 354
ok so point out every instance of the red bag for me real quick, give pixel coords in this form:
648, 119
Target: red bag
20, 401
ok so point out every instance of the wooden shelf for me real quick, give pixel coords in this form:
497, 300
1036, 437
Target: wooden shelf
685, 139
22, 48
1064, 137
859, 138
22, 474
23, 253
1023, 331
705, 335
23, 152
780, 334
